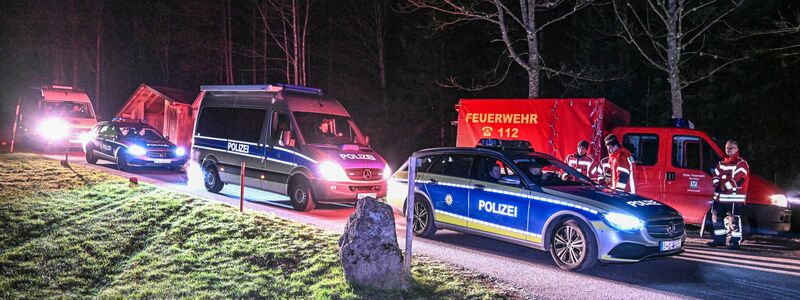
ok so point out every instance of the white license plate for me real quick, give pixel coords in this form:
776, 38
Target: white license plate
670, 245
364, 195
162, 161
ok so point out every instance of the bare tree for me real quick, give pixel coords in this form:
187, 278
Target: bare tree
529, 19
674, 35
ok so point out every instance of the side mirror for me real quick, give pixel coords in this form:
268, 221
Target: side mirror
286, 138
166, 137
509, 180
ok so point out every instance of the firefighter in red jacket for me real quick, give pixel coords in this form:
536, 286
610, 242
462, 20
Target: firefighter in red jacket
622, 165
730, 181
581, 162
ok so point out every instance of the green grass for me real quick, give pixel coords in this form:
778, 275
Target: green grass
78, 233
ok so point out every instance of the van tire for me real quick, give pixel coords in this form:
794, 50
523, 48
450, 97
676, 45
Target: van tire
300, 195
90, 158
211, 178
571, 231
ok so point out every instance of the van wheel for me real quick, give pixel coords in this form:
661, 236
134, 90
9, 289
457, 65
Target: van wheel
211, 179
122, 161
573, 246
90, 158
300, 195
423, 222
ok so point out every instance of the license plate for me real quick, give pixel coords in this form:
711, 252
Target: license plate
364, 195
162, 161
670, 245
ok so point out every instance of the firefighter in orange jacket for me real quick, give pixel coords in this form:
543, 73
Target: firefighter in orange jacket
730, 181
622, 164
581, 162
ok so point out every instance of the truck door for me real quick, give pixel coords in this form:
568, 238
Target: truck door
687, 182
497, 207
648, 176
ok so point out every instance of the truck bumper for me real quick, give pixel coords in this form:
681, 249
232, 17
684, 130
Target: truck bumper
771, 219
346, 192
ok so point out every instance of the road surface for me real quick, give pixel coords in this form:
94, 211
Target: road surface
762, 271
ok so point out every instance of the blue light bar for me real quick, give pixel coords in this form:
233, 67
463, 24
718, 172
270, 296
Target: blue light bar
233, 88
301, 89
505, 144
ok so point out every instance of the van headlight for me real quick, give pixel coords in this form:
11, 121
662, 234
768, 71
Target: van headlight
623, 222
387, 172
54, 129
136, 150
332, 171
180, 151
779, 200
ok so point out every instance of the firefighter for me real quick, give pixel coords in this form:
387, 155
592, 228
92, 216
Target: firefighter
581, 161
621, 164
730, 181
603, 173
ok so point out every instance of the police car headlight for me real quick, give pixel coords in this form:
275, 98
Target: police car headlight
387, 172
623, 222
332, 171
180, 151
779, 200
54, 129
136, 150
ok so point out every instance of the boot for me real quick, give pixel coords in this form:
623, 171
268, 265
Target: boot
734, 244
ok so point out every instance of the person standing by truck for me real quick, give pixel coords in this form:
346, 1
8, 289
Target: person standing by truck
622, 165
581, 161
730, 181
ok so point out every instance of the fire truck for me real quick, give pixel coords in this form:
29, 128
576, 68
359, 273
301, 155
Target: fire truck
673, 164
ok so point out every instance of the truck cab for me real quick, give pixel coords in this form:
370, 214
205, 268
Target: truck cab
674, 165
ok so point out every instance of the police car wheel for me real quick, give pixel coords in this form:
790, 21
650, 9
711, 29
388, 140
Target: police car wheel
122, 161
300, 195
90, 158
424, 225
573, 246
211, 179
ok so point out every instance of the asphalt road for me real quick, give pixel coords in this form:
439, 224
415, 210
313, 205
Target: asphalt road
759, 270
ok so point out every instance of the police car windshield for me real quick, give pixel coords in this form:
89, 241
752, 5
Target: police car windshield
327, 129
544, 171
139, 132
68, 109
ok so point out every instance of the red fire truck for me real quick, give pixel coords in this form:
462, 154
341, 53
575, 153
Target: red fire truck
673, 163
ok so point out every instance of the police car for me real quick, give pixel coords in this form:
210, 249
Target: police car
132, 143
504, 190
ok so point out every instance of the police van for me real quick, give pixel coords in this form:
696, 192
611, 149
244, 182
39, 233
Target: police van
504, 190
293, 140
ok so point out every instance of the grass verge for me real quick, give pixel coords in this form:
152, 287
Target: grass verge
79, 233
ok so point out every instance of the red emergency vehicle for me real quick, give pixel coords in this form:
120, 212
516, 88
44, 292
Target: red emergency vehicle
673, 165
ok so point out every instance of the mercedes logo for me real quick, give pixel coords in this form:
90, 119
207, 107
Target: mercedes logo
367, 174
671, 228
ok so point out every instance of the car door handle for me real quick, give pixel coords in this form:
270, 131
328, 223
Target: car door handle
432, 181
670, 175
479, 186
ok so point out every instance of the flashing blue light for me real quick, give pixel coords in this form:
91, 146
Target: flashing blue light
301, 89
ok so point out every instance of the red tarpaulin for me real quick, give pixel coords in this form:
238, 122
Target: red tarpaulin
553, 126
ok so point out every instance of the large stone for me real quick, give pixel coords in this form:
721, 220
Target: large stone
368, 248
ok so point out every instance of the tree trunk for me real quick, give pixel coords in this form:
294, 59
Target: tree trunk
98, 55
673, 58
534, 64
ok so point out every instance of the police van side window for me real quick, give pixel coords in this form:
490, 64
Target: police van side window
245, 124
452, 165
644, 148
280, 123
213, 122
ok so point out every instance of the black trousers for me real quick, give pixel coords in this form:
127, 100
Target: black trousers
727, 221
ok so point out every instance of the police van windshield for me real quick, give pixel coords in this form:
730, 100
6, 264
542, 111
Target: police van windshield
68, 109
550, 172
139, 132
327, 129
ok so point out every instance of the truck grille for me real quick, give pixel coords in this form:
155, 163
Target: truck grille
160, 154
365, 174
669, 228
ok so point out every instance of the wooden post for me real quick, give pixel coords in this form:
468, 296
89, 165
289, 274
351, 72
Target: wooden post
412, 174
241, 188
14, 130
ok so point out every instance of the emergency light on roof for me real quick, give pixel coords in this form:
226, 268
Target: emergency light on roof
682, 123
266, 88
118, 119
505, 144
